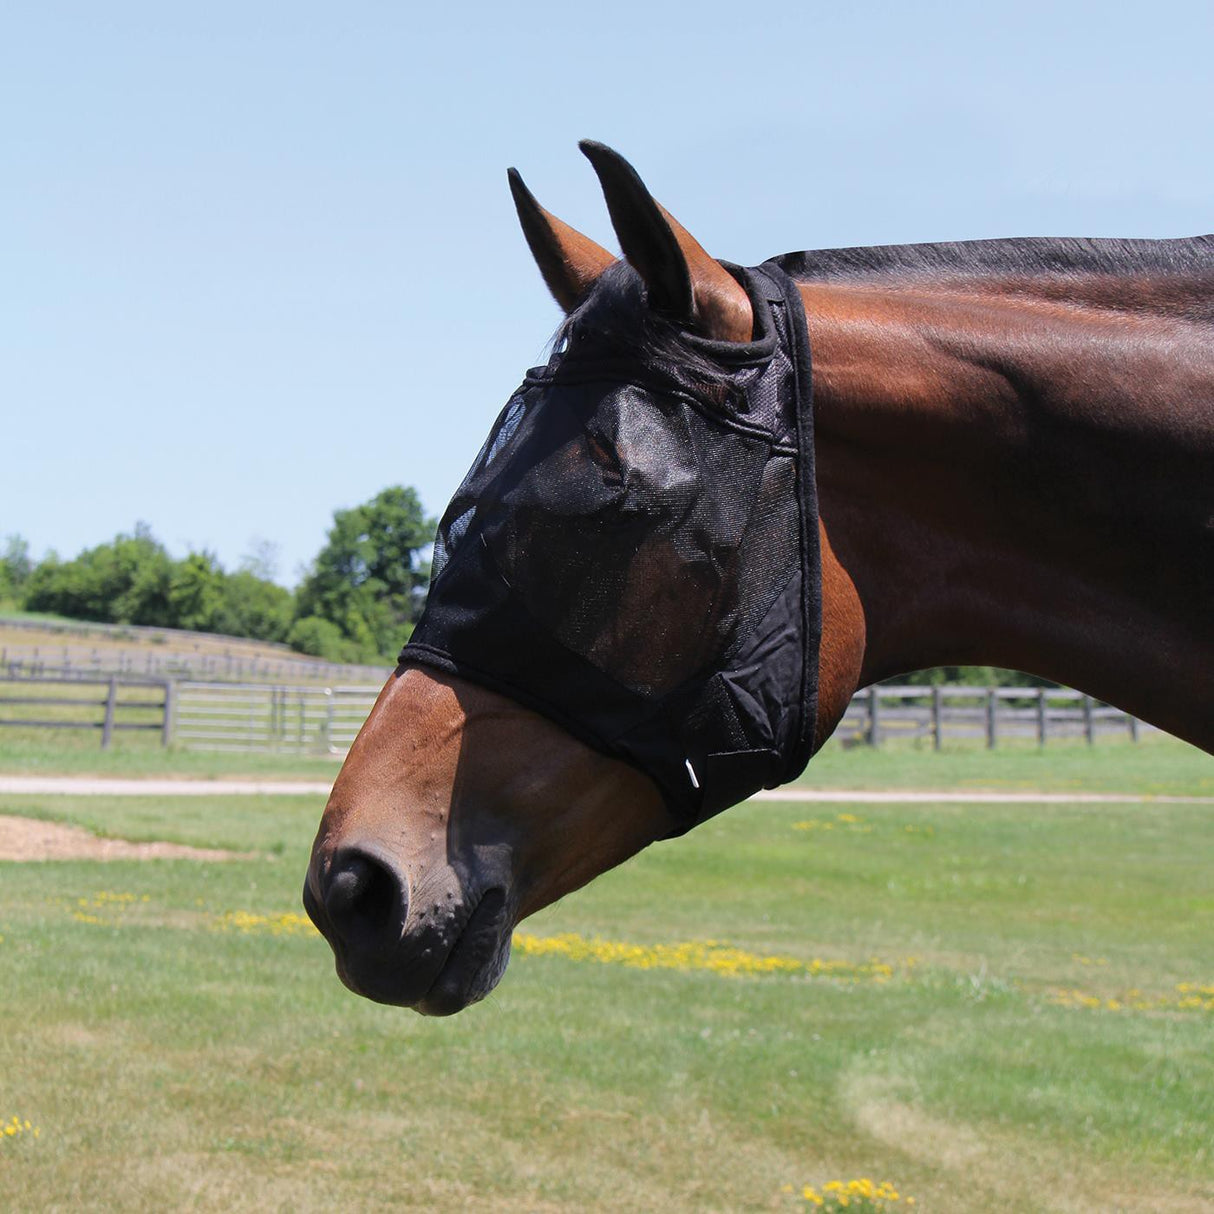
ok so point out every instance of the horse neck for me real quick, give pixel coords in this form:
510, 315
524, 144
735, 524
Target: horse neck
1016, 480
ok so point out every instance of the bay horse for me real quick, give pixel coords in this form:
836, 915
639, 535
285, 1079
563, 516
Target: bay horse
1013, 458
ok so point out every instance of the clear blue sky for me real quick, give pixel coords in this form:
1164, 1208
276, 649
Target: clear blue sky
258, 260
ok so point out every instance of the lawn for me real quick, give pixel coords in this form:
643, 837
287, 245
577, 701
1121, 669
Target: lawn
29, 752
993, 1007
1158, 766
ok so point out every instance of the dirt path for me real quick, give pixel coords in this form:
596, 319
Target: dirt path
105, 786
31, 839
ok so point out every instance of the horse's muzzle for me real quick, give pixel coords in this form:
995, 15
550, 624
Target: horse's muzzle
436, 952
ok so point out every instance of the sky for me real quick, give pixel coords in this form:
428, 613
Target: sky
258, 261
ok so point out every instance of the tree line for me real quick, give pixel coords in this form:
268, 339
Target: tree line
357, 602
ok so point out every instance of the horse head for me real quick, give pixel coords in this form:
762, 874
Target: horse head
622, 635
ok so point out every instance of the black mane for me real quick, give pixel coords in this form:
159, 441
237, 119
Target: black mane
1024, 256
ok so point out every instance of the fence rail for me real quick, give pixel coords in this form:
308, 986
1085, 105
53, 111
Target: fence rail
991, 714
104, 704
253, 716
144, 661
307, 719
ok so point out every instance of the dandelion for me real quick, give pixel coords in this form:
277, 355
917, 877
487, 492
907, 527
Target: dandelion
247, 923
106, 906
861, 1194
853, 824
1187, 997
711, 956
17, 1127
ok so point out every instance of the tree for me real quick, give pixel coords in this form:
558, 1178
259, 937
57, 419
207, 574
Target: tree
369, 578
197, 592
254, 607
322, 639
262, 559
124, 582
15, 568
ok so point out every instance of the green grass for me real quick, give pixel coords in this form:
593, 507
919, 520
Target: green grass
169, 1064
1158, 765
71, 752
9, 612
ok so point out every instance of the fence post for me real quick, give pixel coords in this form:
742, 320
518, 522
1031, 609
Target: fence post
1088, 730
937, 717
874, 717
1042, 733
170, 712
991, 731
107, 726
328, 719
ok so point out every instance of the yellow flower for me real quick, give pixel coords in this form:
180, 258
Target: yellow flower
710, 955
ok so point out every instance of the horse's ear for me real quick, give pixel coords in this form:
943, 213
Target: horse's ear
569, 261
682, 280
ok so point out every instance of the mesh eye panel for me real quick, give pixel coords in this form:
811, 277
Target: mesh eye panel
631, 553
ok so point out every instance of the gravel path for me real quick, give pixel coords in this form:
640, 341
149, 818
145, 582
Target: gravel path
84, 786
30, 839
105, 786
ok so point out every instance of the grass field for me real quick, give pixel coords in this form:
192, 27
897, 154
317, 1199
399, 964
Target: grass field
993, 1007
76, 753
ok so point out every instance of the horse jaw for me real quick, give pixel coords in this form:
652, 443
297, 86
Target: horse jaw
456, 814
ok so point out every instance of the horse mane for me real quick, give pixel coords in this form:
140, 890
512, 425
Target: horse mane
1019, 257
1151, 277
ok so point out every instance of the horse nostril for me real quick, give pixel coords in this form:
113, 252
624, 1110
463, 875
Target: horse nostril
363, 896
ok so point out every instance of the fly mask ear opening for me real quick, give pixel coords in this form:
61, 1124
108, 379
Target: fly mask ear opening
683, 282
569, 262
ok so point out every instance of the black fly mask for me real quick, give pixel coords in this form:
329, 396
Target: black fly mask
634, 553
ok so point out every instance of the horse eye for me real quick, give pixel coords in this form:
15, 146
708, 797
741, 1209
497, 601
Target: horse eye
605, 458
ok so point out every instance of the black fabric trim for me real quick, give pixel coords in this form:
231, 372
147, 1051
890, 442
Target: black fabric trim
807, 490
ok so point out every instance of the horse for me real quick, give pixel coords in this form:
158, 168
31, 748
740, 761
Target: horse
1011, 463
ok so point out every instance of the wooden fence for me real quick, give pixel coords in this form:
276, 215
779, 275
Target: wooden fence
988, 714
252, 716
110, 705
143, 661
306, 719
